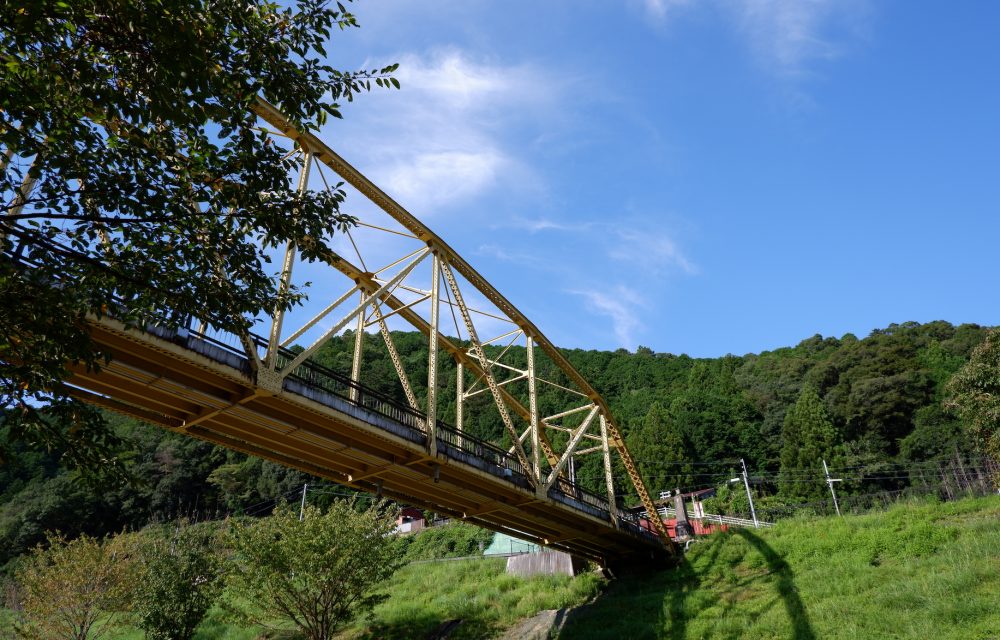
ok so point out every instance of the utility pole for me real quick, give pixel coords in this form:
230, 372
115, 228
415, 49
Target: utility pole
746, 483
302, 506
829, 482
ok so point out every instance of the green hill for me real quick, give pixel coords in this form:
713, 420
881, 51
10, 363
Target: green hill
920, 570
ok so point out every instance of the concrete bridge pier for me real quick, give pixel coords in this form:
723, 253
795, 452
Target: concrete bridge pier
549, 563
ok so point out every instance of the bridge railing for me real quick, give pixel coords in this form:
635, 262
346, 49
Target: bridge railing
316, 376
566, 489
630, 523
485, 451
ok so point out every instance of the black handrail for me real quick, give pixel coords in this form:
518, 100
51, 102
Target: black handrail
315, 375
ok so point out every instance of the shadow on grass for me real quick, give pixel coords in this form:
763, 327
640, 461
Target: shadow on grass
786, 586
431, 627
662, 605
640, 605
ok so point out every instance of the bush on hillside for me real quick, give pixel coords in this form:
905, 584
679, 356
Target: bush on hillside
453, 540
70, 589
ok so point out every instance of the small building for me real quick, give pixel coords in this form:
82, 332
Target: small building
505, 545
410, 520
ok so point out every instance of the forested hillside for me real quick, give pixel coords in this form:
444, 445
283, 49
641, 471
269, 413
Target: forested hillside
860, 403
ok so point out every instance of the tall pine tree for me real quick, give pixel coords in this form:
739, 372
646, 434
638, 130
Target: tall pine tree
659, 448
808, 437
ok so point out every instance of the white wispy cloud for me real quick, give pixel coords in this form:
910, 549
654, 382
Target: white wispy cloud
534, 225
660, 9
442, 139
788, 34
621, 304
495, 251
785, 35
439, 178
653, 251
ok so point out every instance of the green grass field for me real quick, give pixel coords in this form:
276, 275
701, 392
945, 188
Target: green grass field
921, 570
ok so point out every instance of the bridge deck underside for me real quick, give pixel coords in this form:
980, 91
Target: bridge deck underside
157, 380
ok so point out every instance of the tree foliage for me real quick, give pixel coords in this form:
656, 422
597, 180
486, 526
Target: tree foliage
659, 444
975, 394
71, 589
136, 180
317, 573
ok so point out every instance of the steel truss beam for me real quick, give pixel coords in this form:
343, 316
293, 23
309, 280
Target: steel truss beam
471, 358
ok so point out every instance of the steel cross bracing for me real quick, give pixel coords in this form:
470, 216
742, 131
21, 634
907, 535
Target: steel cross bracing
474, 357
404, 275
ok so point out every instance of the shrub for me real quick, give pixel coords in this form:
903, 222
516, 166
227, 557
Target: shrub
317, 573
70, 589
179, 579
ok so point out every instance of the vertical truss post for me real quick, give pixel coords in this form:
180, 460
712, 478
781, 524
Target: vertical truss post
460, 401
605, 447
533, 410
359, 345
286, 274
432, 358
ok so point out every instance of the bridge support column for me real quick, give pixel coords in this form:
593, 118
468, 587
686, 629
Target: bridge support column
606, 449
546, 563
683, 527
432, 358
359, 346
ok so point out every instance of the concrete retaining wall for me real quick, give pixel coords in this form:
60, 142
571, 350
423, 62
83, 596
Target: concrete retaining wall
543, 563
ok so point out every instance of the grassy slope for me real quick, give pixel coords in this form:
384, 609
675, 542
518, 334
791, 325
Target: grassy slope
424, 595
918, 571
480, 592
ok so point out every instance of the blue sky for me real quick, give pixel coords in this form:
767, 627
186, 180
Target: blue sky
696, 176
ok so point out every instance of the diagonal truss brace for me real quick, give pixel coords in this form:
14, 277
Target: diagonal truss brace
570, 448
390, 345
487, 373
311, 349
